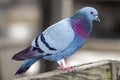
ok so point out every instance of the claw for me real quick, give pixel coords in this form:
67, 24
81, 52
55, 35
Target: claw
70, 69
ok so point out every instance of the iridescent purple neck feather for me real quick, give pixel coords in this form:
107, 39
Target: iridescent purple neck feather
81, 25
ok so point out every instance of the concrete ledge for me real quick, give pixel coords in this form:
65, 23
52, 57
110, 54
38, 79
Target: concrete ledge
100, 70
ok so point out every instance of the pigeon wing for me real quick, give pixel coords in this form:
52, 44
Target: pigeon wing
55, 38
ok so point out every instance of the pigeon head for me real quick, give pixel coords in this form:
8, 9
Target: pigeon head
91, 13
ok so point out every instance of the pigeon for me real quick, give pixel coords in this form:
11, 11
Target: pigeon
59, 40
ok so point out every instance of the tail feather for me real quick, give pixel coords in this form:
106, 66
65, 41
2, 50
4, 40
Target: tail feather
25, 66
20, 55
28, 53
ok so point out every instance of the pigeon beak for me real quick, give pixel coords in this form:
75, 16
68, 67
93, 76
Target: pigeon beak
97, 18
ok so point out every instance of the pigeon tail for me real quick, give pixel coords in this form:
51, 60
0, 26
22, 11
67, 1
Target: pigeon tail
30, 52
21, 54
25, 66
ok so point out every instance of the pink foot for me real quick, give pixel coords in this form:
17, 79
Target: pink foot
70, 69
62, 66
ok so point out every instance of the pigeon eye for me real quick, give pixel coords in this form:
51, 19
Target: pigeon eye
91, 12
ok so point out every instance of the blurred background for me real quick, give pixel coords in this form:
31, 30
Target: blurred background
22, 20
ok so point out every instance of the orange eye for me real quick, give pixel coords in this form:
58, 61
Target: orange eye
91, 12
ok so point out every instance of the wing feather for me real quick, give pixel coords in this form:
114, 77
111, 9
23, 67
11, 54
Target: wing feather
57, 36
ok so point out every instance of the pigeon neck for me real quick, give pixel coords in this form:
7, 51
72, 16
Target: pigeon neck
77, 16
81, 16
82, 26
